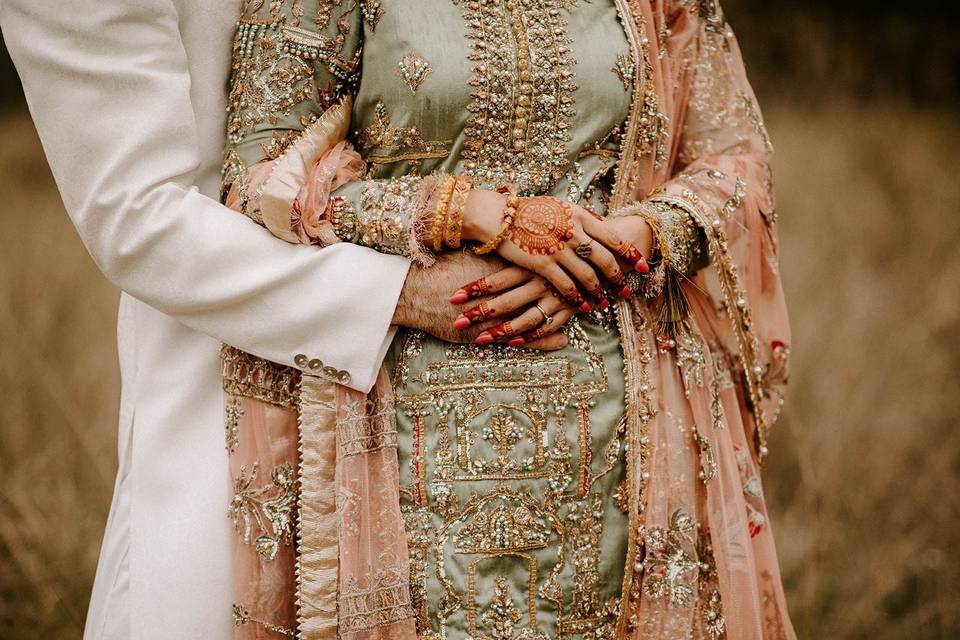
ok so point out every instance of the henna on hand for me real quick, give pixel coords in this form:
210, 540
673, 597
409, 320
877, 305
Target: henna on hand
542, 225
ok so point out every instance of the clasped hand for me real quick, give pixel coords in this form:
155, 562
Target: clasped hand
563, 257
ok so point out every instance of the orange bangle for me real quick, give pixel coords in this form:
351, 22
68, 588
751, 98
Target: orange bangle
454, 220
440, 212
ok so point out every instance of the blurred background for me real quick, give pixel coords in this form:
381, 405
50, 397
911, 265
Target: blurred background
861, 99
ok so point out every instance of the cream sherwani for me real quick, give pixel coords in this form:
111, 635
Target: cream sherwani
129, 100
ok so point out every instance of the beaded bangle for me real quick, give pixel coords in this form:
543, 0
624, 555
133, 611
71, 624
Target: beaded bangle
440, 213
454, 218
509, 212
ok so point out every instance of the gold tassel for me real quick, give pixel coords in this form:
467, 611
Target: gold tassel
671, 309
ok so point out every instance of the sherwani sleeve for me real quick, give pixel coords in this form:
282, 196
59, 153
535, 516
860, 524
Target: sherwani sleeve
109, 89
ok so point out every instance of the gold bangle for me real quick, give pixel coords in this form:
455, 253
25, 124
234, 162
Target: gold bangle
440, 212
454, 220
508, 215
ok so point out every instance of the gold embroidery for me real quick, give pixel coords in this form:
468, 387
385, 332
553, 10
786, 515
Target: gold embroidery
515, 427
383, 135
268, 508
413, 69
241, 616
372, 12
671, 564
708, 460
518, 131
623, 68
248, 376
232, 414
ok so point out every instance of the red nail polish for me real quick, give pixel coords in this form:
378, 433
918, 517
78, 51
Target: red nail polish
484, 338
585, 307
461, 323
459, 297
625, 292
642, 266
604, 303
516, 342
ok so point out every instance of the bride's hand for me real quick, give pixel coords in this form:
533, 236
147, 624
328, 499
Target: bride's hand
556, 240
537, 311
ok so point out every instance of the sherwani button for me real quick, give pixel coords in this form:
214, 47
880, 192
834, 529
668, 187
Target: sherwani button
330, 371
343, 377
300, 360
315, 364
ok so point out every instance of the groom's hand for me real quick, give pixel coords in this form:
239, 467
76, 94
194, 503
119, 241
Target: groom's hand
424, 302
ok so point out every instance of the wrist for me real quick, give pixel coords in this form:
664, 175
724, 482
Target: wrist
481, 215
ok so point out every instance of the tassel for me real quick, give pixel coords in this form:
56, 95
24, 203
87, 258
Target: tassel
671, 308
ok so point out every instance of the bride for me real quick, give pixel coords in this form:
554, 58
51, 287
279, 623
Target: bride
562, 433
577, 453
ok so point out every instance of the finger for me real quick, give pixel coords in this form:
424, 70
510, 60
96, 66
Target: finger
605, 234
552, 342
548, 269
579, 269
493, 283
583, 272
545, 330
503, 304
529, 319
589, 249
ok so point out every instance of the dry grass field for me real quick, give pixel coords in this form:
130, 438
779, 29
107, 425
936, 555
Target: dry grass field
863, 474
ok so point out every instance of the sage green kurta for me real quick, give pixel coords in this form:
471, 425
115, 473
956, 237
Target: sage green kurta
510, 459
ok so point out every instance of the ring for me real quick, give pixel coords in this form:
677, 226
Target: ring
583, 249
547, 319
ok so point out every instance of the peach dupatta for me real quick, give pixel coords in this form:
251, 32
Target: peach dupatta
350, 556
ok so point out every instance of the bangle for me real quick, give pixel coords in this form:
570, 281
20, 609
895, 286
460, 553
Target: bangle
440, 213
454, 219
509, 212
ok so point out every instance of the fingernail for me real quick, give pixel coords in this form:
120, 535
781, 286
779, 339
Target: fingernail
461, 323
604, 303
586, 307
484, 338
642, 266
516, 342
625, 292
459, 297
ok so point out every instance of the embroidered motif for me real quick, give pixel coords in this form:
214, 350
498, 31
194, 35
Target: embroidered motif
232, 414
413, 70
708, 460
623, 68
383, 135
268, 509
671, 564
241, 616
372, 11
691, 361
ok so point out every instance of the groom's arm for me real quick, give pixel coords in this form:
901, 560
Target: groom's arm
109, 90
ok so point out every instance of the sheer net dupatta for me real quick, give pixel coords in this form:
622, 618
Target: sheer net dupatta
321, 549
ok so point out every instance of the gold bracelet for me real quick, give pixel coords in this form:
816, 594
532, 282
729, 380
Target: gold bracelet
509, 213
454, 225
440, 212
